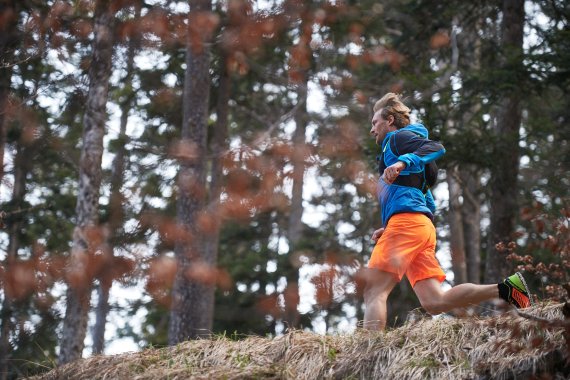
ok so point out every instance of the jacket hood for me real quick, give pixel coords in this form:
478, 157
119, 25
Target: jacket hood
417, 129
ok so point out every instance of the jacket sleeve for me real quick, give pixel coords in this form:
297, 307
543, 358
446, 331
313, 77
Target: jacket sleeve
416, 151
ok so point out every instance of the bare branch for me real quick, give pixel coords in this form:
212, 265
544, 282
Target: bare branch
552, 323
466, 194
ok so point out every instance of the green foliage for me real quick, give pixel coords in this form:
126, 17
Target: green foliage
244, 251
34, 346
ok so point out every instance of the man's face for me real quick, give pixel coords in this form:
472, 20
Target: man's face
381, 126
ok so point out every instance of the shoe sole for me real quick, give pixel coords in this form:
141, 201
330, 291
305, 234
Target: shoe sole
526, 288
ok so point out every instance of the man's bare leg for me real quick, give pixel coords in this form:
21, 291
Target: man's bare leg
436, 301
379, 284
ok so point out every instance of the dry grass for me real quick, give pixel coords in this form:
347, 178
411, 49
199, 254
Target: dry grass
503, 347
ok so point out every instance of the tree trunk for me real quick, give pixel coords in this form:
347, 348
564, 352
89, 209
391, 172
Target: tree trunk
101, 312
21, 169
294, 230
9, 39
219, 142
457, 240
504, 174
471, 218
464, 209
218, 147
469, 174
298, 161
116, 214
79, 281
191, 312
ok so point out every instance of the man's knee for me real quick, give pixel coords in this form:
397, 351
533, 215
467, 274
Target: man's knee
374, 292
433, 306
378, 284
430, 295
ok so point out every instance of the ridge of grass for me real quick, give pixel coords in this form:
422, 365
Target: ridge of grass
500, 347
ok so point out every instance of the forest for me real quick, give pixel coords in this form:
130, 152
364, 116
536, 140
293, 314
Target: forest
173, 170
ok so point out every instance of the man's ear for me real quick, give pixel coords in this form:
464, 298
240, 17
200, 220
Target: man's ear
390, 120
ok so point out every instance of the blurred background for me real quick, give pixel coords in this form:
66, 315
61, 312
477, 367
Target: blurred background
175, 169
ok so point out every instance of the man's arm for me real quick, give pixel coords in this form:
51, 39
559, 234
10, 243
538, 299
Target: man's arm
393, 171
377, 233
416, 151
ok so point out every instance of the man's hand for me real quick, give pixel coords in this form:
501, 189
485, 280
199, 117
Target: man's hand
393, 171
376, 235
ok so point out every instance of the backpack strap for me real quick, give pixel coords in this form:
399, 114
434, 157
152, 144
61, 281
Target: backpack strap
417, 180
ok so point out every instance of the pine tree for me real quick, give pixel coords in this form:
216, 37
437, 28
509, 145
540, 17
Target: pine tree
299, 71
8, 40
193, 298
116, 207
87, 235
504, 173
9, 12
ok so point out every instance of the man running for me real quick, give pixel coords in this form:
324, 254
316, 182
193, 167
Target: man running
405, 244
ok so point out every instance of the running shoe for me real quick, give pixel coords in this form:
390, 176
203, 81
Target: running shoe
515, 291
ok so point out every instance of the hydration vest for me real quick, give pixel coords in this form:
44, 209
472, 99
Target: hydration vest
423, 180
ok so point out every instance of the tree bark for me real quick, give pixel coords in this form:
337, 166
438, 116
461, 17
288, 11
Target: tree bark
101, 312
298, 161
21, 169
471, 218
191, 312
300, 67
468, 173
9, 39
457, 240
116, 212
505, 172
78, 278
217, 149
295, 224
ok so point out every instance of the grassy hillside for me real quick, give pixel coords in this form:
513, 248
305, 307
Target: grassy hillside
503, 347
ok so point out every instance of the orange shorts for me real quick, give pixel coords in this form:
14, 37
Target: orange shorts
407, 247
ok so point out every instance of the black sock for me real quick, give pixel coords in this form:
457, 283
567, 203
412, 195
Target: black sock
504, 291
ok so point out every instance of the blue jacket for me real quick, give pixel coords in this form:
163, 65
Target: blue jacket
408, 192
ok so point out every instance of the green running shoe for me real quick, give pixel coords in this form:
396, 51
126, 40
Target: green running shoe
515, 291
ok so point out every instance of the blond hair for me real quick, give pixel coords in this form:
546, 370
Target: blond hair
391, 104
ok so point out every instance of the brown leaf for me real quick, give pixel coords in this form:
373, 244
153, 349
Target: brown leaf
269, 304
77, 270
201, 26
81, 28
291, 296
207, 274
207, 223
161, 274
163, 270
439, 40
238, 182
19, 279
184, 150
360, 97
236, 208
